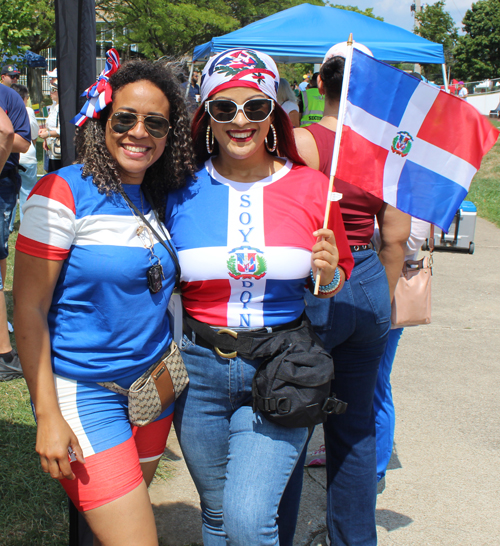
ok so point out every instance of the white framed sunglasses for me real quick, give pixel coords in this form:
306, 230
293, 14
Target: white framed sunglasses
225, 110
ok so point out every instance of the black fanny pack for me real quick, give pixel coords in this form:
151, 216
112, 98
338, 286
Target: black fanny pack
291, 387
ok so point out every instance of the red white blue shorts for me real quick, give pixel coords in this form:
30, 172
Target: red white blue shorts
113, 448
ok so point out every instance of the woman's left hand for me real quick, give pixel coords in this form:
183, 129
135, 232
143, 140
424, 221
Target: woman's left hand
325, 255
43, 133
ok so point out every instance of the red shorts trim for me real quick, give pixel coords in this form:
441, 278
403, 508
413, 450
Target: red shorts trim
111, 474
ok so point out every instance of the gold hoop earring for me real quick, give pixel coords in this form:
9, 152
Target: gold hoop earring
210, 140
275, 140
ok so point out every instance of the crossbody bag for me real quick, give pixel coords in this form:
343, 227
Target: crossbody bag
163, 382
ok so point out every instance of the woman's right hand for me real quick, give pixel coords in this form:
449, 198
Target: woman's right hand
54, 437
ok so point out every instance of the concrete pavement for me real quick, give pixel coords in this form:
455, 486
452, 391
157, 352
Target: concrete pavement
443, 483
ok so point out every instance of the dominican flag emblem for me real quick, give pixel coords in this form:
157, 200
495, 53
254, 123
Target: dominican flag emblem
407, 142
401, 144
246, 263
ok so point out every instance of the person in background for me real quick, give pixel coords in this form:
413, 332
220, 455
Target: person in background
305, 82
462, 90
10, 74
311, 103
354, 326
288, 101
13, 106
52, 131
27, 160
385, 415
248, 231
84, 309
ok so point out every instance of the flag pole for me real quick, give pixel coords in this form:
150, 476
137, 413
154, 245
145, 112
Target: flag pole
336, 147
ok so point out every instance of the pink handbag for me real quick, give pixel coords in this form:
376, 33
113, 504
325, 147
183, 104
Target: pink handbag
412, 299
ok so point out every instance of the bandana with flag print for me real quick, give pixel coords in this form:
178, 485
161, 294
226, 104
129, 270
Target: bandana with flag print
240, 68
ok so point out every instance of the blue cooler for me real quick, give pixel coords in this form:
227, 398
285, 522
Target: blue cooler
462, 229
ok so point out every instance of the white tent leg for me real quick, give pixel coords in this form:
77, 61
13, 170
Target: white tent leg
445, 79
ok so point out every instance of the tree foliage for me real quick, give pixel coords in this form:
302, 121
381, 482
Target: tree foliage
437, 25
26, 25
368, 11
173, 29
477, 53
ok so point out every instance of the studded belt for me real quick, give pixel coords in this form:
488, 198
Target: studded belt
359, 248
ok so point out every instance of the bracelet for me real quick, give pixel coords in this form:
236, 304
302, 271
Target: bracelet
328, 288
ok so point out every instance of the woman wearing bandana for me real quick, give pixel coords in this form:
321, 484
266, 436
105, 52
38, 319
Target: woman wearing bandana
249, 237
80, 290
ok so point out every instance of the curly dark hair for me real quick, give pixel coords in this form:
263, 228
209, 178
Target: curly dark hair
176, 162
282, 124
332, 73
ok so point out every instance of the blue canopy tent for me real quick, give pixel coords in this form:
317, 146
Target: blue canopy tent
29, 58
304, 34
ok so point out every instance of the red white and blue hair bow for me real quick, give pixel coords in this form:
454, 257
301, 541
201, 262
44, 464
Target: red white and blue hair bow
99, 94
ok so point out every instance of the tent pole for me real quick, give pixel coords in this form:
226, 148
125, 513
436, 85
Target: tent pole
190, 78
445, 79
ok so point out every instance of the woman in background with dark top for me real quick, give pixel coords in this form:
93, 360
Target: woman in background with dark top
354, 326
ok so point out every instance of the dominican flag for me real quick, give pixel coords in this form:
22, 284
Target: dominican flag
409, 143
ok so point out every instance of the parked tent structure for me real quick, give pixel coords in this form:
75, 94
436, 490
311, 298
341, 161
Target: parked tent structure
304, 34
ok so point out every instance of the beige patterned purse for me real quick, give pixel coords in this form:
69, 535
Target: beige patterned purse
157, 388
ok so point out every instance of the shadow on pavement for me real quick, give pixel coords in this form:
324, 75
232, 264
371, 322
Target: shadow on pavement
178, 523
391, 520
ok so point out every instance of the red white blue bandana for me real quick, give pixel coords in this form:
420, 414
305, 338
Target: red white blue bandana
99, 95
240, 68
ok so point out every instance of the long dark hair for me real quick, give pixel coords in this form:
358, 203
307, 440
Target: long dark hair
282, 124
332, 73
176, 162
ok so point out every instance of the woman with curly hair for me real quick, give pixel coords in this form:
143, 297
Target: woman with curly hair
84, 311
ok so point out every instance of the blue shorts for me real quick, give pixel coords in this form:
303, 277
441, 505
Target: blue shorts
113, 448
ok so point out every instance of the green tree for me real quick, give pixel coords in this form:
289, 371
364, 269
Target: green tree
27, 25
435, 24
368, 11
173, 29
14, 28
477, 53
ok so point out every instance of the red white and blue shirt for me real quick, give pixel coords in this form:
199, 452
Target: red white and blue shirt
245, 248
104, 323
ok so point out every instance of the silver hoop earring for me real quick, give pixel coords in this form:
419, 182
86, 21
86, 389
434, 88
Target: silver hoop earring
210, 140
275, 140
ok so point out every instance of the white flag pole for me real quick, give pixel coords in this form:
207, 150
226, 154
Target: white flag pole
336, 147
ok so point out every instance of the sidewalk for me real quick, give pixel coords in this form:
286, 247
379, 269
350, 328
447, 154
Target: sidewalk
443, 483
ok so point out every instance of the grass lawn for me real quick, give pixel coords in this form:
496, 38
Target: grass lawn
33, 509
485, 187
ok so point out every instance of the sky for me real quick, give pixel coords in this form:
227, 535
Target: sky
397, 12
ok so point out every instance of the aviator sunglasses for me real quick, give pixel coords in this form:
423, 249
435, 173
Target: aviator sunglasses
225, 110
156, 126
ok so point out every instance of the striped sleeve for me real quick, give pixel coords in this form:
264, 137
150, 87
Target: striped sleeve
48, 227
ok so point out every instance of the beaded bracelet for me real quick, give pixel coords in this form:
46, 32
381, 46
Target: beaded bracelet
328, 288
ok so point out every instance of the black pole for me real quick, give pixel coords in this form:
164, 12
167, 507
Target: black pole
76, 63
76, 70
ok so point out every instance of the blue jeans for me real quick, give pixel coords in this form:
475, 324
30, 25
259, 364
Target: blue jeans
239, 461
385, 416
8, 200
28, 181
354, 326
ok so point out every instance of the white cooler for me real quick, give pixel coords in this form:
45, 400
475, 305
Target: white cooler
461, 232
